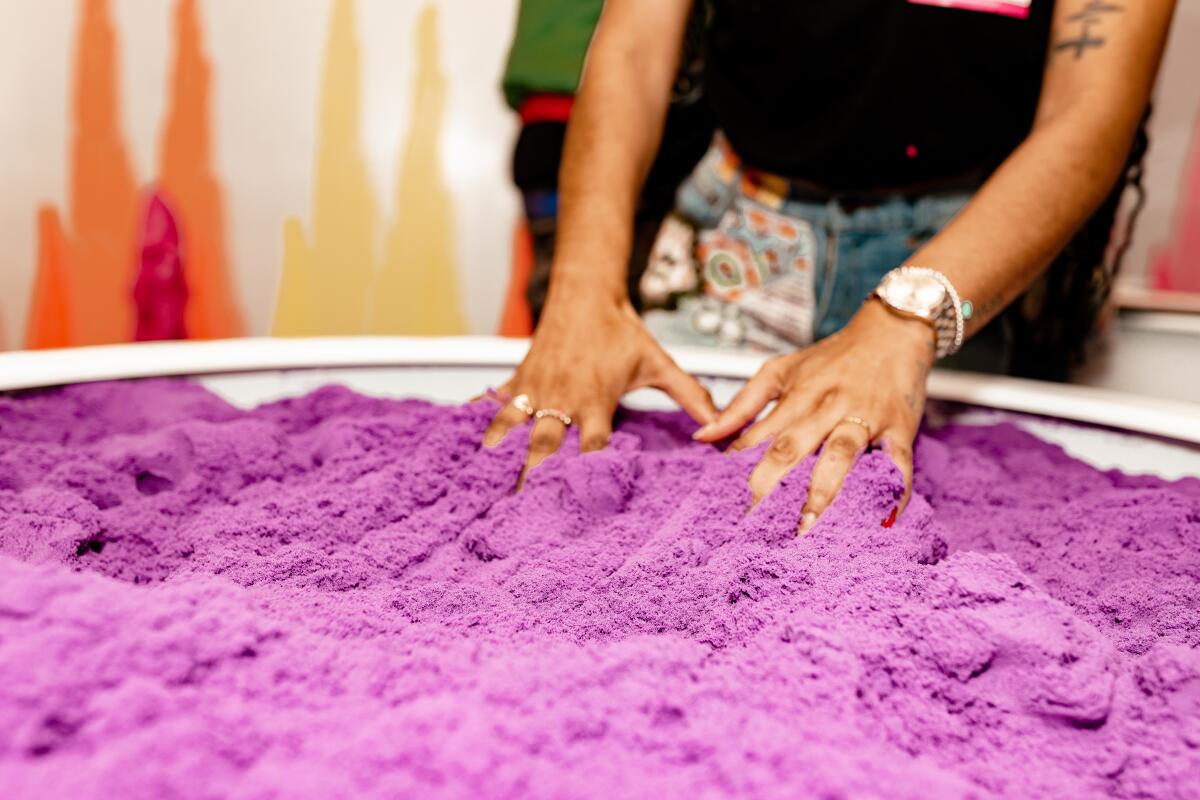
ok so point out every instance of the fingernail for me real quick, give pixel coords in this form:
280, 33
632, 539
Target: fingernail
807, 520
491, 440
703, 430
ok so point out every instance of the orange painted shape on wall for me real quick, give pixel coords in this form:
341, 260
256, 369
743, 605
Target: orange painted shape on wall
102, 194
48, 322
189, 185
516, 319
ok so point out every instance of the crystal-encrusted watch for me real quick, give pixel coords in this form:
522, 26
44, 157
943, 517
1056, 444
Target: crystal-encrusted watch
927, 295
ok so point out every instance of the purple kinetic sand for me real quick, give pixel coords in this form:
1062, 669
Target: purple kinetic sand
337, 596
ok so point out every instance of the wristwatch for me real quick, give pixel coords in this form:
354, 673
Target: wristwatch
927, 295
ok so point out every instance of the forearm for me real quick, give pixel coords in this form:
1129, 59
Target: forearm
1100, 70
1030, 208
612, 138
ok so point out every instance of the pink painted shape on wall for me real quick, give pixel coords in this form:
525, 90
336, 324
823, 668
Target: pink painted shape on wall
1175, 266
160, 292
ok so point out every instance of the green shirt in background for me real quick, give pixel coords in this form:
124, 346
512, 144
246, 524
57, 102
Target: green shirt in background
548, 49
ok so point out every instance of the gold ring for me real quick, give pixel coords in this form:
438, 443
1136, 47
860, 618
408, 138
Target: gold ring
554, 413
523, 404
859, 421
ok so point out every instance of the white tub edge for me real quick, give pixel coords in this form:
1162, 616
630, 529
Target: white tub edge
1171, 419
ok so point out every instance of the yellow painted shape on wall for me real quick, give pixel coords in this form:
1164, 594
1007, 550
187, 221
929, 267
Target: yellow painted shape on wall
188, 183
417, 291
337, 268
295, 310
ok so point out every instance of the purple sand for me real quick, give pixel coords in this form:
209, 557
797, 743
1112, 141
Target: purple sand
338, 596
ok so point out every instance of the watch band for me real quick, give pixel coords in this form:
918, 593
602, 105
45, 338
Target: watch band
949, 317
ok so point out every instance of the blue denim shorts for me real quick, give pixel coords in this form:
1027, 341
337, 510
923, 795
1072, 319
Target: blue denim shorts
777, 272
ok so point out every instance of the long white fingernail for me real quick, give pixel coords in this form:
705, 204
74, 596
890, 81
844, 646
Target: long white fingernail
807, 520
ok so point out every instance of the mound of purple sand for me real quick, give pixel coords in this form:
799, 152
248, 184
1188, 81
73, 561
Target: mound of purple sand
337, 596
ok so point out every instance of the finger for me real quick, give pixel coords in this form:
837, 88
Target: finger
500, 394
768, 427
788, 449
745, 406
544, 441
595, 427
897, 443
505, 420
685, 390
795, 406
841, 450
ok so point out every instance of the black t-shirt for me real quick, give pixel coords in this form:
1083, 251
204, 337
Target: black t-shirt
872, 94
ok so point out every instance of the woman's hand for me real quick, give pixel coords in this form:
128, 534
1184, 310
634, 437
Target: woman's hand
586, 354
873, 370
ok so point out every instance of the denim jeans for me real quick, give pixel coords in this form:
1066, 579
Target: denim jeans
831, 253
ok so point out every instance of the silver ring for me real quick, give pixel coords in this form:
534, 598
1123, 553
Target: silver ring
523, 404
861, 422
554, 413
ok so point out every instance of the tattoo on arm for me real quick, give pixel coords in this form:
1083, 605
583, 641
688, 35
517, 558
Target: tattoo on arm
914, 397
910, 399
1086, 18
986, 307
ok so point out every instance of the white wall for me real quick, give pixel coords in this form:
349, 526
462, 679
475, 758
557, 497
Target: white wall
267, 57
1176, 113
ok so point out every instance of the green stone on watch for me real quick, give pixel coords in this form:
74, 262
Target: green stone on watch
967, 309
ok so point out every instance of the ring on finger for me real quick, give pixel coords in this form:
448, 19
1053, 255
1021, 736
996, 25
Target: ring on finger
554, 413
861, 423
523, 404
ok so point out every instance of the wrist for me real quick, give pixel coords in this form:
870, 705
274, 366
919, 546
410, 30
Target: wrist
928, 296
915, 336
586, 288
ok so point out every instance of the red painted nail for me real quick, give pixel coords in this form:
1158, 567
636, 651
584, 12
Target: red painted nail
887, 523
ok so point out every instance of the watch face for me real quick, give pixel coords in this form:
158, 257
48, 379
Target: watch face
916, 294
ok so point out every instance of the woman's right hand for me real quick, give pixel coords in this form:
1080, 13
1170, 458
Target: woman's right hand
586, 354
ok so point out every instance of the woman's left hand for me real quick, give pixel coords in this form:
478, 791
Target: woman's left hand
863, 385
